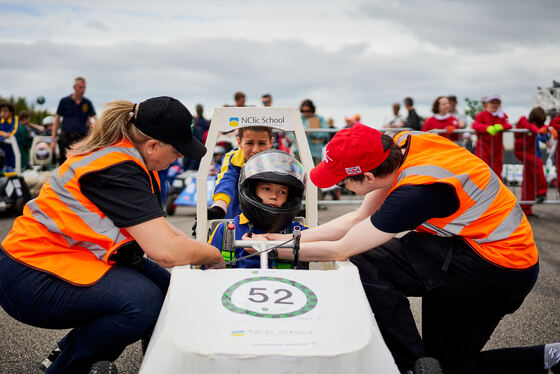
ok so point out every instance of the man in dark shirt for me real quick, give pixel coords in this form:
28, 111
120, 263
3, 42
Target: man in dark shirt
412, 120
76, 112
199, 130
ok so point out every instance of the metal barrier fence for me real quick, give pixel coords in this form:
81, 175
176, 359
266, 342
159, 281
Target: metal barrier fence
532, 180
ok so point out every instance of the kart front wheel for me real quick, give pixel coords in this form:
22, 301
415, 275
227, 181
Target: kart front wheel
104, 367
427, 365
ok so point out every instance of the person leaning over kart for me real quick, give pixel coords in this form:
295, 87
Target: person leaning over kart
471, 255
74, 259
271, 188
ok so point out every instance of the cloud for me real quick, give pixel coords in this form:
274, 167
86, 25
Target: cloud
97, 25
18, 8
354, 57
215, 68
473, 25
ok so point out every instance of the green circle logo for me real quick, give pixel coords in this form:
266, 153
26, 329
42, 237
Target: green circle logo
269, 297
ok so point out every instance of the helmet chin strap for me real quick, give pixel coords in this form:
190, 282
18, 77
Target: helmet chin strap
297, 237
250, 233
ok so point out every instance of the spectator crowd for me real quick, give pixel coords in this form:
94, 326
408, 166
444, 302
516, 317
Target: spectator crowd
483, 134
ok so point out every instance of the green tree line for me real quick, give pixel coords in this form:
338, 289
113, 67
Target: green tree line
21, 103
473, 107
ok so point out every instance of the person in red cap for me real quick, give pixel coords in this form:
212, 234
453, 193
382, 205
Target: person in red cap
75, 258
469, 252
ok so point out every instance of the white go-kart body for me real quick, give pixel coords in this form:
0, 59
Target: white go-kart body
265, 320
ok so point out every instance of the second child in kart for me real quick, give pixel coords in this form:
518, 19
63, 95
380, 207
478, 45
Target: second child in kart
271, 187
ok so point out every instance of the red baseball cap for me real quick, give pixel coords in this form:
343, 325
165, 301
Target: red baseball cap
351, 151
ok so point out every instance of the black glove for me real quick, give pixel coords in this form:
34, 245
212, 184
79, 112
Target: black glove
130, 255
214, 212
194, 229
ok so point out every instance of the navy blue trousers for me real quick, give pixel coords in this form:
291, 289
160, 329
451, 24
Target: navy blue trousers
117, 311
9, 156
464, 297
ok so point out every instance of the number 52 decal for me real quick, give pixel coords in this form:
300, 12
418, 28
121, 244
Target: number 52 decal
269, 297
258, 291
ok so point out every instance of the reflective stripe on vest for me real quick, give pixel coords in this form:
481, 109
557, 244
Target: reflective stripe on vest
61, 231
488, 215
402, 136
102, 226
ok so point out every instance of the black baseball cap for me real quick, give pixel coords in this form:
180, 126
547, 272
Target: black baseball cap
165, 118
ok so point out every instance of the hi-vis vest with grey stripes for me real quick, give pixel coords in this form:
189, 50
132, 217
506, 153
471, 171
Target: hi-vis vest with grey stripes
61, 231
488, 217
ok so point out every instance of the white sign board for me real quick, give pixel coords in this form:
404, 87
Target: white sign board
231, 118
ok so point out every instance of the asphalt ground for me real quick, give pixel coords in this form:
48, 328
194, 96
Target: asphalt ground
537, 321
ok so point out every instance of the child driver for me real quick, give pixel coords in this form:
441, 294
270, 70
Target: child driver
271, 187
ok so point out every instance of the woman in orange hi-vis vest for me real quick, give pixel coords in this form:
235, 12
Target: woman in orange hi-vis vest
469, 252
75, 258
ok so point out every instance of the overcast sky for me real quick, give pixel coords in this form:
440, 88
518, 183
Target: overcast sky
347, 56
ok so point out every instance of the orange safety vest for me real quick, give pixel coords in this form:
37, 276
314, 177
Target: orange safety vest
488, 218
62, 232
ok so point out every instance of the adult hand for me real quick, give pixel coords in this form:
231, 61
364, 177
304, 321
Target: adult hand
277, 237
254, 237
217, 259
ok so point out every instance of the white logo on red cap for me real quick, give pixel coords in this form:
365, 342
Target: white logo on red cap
354, 170
327, 158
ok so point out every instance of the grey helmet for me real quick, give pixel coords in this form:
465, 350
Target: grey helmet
271, 166
48, 121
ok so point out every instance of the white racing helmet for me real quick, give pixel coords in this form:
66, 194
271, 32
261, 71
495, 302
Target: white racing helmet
48, 120
41, 154
271, 166
219, 153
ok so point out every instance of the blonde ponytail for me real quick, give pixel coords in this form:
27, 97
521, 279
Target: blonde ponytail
113, 126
